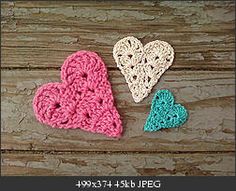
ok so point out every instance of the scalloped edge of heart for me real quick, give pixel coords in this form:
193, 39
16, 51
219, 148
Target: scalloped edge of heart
142, 65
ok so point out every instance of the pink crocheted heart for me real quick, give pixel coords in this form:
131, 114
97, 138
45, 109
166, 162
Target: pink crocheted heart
83, 100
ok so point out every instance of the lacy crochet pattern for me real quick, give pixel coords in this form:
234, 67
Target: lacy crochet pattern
83, 100
142, 66
165, 113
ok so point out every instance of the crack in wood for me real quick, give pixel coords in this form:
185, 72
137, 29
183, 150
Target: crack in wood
31, 151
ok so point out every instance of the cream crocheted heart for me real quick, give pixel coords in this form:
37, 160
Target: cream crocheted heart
141, 65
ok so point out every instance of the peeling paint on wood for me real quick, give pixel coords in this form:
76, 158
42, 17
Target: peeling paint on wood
209, 97
51, 32
118, 164
37, 37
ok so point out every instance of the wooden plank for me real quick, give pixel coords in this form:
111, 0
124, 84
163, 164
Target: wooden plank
43, 34
74, 16
50, 50
208, 95
118, 164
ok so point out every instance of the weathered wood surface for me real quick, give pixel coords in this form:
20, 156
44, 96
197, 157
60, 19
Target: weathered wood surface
36, 38
209, 97
43, 34
118, 164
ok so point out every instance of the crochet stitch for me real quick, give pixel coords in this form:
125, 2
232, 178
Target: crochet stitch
142, 66
83, 100
165, 113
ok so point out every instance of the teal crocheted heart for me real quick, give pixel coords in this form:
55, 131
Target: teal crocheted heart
165, 113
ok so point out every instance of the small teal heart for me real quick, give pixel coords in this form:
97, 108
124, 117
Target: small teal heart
165, 113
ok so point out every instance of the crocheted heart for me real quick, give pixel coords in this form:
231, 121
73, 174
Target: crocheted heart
142, 66
83, 100
165, 113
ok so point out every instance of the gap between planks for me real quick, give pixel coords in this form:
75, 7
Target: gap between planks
9, 151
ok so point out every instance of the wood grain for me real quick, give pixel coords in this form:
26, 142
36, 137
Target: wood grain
43, 34
37, 36
209, 97
118, 164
